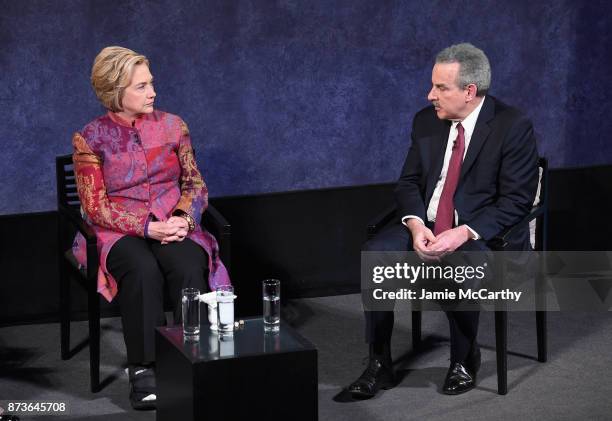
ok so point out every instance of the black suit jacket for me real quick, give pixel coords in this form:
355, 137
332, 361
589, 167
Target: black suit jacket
499, 174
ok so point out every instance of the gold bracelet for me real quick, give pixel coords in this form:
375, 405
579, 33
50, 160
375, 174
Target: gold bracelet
190, 221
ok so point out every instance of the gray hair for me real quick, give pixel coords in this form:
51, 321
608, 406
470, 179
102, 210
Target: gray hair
474, 66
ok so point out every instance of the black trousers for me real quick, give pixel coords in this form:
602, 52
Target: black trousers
379, 324
145, 270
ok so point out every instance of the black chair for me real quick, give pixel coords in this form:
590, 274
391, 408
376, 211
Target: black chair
70, 221
538, 215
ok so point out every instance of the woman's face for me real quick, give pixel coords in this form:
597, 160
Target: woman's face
139, 96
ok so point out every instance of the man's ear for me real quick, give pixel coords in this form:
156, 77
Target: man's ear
471, 91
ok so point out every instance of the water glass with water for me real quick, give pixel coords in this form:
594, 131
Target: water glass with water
271, 305
225, 309
191, 313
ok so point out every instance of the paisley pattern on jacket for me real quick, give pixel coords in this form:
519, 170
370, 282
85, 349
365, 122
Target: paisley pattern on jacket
127, 174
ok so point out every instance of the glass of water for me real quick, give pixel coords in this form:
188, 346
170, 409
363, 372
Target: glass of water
225, 309
271, 305
191, 313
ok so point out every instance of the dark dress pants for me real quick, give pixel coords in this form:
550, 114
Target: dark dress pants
379, 324
144, 269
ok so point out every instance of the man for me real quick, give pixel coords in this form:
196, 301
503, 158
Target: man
471, 172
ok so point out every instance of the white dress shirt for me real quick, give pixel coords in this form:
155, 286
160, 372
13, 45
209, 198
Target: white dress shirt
468, 124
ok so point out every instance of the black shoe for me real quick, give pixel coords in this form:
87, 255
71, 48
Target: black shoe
457, 383
378, 375
461, 376
458, 380
142, 387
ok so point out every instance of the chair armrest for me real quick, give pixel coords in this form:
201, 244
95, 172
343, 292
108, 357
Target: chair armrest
216, 223
380, 220
500, 241
77, 221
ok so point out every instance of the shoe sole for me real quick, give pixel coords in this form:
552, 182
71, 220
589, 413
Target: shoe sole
452, 393
362, 395
143, 406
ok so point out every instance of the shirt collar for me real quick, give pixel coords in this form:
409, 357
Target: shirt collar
122, 122
469, 122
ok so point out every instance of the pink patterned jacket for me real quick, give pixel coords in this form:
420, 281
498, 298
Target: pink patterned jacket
125, 174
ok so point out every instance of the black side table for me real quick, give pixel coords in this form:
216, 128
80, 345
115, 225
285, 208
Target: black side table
253, 376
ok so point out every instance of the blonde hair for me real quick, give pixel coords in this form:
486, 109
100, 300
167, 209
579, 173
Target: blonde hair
112, 72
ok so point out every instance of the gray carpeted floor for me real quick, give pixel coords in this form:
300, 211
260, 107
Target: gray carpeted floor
574, 384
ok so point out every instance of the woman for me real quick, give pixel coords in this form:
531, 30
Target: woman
143, 195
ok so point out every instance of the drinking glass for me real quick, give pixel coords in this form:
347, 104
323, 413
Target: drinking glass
271, 305
191, 313
225, 309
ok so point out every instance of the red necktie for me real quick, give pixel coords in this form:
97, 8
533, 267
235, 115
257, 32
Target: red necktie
446, 209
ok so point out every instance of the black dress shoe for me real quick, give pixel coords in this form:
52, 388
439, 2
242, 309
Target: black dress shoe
142, 387
378, 375
461, 377
458, 380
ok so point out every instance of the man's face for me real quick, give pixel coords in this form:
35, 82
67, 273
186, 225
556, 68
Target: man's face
449, 100
138, 98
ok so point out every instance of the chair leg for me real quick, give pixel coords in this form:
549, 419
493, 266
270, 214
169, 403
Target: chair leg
94, 339
501, 343
65, 309
542, 336
416, 329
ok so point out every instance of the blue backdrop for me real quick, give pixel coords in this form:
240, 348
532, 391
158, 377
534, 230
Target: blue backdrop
295, 94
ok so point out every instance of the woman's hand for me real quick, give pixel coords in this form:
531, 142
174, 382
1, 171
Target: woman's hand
183, 229
164, 232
